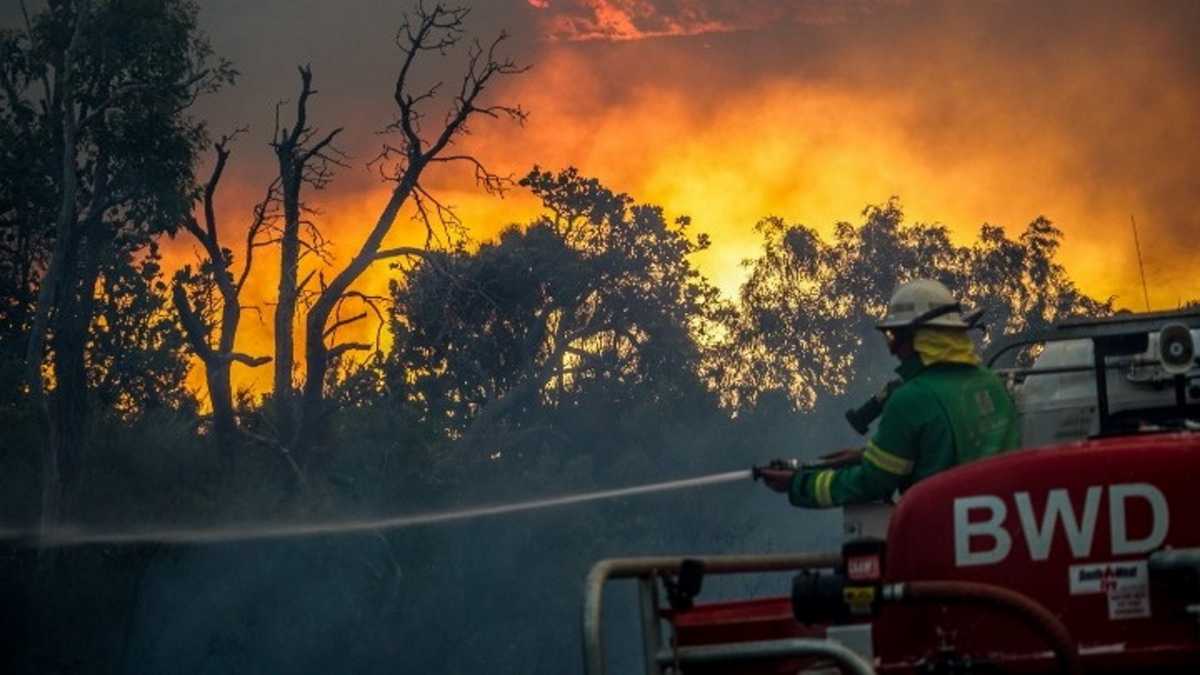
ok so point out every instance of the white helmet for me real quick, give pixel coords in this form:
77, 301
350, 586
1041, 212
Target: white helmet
923, 302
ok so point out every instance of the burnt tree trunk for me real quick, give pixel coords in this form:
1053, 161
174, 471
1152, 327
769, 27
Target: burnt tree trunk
285, 308
218, 363
69, 400
216, 370
294, 156
220, 390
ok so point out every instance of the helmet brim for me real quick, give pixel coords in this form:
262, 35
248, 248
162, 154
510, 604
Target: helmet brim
945, 321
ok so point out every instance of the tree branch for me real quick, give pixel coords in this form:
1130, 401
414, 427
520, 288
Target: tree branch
194, 329
403, 251
315, 151
252, 361
261, 216
306, 91
369, 301
344, 322
46, 89
492, 183
475, 81
437, 29
304, 282
446, 216
338, 350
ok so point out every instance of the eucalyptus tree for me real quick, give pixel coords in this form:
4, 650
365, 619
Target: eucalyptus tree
805, 316
103, 88
597, 290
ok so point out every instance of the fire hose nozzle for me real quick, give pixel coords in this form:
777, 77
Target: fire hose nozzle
756, 472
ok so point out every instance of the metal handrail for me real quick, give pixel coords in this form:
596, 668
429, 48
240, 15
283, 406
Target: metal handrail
847, 660
645, 570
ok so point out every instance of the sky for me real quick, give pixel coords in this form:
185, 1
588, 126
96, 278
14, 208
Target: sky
732, 110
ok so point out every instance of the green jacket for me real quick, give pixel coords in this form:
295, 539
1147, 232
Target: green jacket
943, 415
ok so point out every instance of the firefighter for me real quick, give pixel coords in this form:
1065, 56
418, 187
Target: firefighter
949, 410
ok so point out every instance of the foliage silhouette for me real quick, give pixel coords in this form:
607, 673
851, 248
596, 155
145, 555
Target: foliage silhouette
104, 90
805, 322
597, 290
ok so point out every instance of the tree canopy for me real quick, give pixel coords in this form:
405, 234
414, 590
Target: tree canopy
805, 319
598, 289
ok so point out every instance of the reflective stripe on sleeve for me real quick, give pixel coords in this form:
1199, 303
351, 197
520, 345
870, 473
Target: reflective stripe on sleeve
886, 461
823, 488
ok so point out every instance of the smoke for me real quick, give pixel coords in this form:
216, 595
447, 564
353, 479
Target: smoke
615, 20
970, 112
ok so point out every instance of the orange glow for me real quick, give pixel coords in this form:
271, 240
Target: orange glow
955, 143
818, 153
619, 20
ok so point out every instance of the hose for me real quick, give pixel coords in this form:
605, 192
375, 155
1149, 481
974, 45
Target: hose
966, 592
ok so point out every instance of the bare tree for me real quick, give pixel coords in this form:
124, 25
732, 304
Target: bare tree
218, 262
426, 29
304, 159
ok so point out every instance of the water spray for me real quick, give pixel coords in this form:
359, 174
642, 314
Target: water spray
75, 536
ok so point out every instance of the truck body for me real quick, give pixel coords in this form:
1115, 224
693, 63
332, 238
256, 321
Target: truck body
1078, 553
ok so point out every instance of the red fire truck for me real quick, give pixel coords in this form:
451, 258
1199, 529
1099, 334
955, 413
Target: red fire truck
1078, 553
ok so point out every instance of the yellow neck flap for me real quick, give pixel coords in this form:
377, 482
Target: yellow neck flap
944, 345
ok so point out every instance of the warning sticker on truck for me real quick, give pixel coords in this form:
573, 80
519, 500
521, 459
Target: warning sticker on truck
1126, 584
1129, 603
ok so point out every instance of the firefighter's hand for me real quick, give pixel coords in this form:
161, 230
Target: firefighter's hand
842, 457
779, 480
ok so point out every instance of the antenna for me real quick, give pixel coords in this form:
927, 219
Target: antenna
1141, 268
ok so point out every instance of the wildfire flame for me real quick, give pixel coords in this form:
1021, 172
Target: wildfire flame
973, 118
